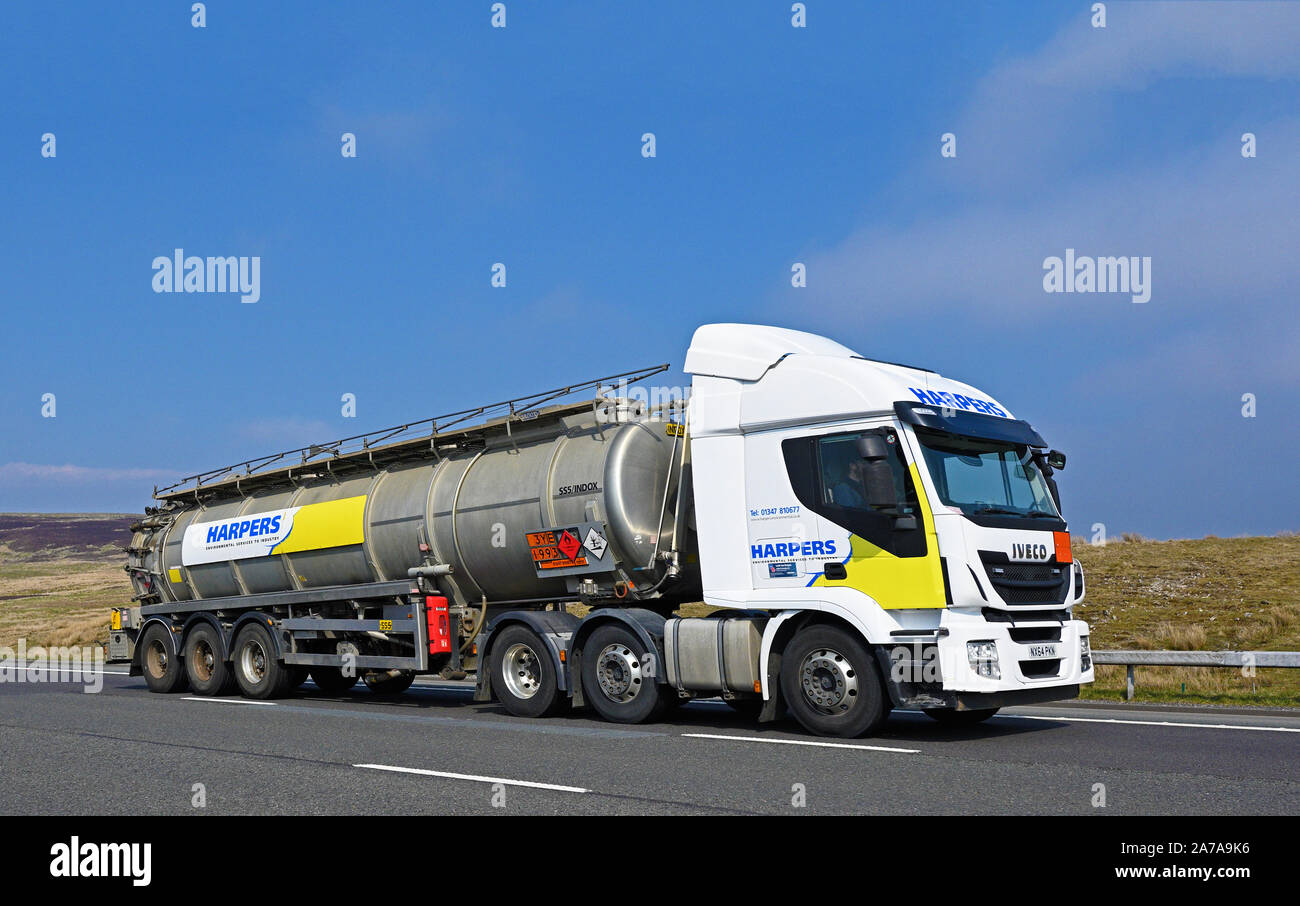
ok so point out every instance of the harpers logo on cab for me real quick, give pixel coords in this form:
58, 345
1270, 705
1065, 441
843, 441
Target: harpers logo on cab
946, 400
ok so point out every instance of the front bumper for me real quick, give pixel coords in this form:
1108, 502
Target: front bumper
937, 672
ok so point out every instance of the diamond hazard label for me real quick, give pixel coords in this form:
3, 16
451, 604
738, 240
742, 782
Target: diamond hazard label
596, 543
569, 545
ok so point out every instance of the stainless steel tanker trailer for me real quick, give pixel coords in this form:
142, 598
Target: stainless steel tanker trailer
823, 529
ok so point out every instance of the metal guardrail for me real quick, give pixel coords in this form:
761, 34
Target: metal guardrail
1239, 659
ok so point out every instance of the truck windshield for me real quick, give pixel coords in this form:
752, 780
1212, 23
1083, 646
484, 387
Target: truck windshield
987, 477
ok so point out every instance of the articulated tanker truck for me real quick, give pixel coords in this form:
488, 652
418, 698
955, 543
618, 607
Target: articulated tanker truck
863, 536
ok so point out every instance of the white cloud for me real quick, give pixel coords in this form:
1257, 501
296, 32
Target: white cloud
23, 472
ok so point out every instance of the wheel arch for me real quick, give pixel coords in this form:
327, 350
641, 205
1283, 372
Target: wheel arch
209, 619
554, 627
647, 625
172, 631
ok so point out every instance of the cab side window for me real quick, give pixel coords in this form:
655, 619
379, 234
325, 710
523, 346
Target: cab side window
827, 474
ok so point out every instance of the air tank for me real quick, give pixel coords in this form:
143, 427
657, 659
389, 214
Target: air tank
480, 500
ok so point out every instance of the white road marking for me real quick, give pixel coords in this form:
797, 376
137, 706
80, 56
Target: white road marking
225, 701
475, 777
805, 742
1148, 723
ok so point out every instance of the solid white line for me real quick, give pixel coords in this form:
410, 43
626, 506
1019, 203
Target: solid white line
1148, 723
805, 742
475, 777
225, 701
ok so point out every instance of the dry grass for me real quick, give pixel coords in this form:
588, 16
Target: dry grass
1207, 594
59, 602
59, 575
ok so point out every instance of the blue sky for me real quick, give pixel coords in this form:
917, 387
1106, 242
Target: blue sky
774, 145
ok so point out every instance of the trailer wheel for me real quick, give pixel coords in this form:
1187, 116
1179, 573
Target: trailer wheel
383, 682
523, 674
332, 681
207, 673
163, 670
951, 718
297, 675
615, 678
258, 672
831, 684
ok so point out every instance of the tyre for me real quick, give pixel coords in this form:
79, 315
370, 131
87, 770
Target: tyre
831, 683
523, 674
383, 682
298, 674
257, 671
207, 671
163, 670
950, 718
615, 678
332, 681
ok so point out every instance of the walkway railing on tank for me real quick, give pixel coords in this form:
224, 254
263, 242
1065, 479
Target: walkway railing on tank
522, 407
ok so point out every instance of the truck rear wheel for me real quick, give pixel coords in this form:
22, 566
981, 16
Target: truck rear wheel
616, 680
163, 670
523, 674
952, 718
831, 684
205, 669
384, 682
258, 672
332, 681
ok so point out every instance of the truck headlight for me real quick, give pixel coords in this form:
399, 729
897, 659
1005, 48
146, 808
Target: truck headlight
983, 657
1085, 654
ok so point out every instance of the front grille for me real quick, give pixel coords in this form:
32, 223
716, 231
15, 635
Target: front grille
1027, 584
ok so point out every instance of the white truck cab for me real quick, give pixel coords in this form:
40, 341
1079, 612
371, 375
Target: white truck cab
912, 509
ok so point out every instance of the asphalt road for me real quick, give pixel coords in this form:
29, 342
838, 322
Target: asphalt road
431, 750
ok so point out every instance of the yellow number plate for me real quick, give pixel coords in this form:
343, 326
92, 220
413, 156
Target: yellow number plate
116, 621
385, 625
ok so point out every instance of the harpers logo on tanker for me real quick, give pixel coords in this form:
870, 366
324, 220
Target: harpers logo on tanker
313, 526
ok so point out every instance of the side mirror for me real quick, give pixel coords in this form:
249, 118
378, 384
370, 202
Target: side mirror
879, 480
1056, 459
872, 447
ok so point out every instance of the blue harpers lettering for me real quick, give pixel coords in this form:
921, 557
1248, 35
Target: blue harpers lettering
791, 549
946, 400
243, 528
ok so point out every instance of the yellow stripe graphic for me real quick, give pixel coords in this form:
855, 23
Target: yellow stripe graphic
331, 523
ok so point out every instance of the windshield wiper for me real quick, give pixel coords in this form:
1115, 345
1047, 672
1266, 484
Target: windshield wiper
1039, 514
998, 510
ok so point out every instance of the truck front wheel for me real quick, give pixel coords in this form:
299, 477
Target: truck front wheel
831, 683
523, 674
616, 677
